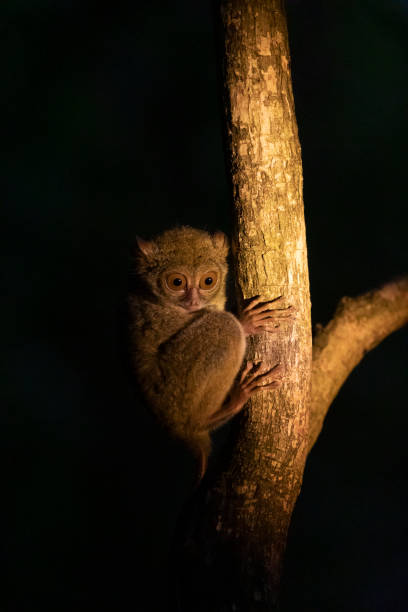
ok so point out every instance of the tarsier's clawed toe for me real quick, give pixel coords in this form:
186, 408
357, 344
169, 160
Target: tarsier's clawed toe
263, 308
272, 375
261, 314
257, 377
289, 312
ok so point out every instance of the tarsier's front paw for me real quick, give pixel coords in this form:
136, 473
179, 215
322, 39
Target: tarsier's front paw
260, 315
255, 377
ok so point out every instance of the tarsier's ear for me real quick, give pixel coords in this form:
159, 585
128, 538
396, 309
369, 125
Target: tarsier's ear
220, 241
146, 247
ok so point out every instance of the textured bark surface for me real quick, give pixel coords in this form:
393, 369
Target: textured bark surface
241, 518
358, 325
271, 259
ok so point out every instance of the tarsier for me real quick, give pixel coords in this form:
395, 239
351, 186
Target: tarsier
187, 350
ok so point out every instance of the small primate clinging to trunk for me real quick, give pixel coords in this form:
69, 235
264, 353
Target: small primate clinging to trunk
186, 349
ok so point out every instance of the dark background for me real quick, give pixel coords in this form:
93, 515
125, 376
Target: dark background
111, 126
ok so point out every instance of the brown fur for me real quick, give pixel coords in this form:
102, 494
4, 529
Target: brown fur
185, 362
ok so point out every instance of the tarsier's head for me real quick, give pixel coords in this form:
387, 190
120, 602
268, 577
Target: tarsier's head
185, 267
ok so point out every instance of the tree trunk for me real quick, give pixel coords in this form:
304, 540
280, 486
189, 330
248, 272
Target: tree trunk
232, 534
240, 521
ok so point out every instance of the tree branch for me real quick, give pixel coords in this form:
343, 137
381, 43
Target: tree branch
359, 324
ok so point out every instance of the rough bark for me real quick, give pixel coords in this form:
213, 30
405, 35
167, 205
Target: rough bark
358, 325
270, 259
238, 523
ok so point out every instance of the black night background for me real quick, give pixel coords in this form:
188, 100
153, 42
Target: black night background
112, 127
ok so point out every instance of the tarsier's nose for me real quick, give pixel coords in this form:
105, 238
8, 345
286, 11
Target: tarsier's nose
192, 297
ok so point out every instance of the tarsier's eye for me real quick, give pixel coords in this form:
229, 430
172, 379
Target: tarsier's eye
208, 280
176, 282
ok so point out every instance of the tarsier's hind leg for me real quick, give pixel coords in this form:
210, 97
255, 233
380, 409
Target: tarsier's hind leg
201, 361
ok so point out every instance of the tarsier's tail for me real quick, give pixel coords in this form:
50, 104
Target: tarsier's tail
200, 446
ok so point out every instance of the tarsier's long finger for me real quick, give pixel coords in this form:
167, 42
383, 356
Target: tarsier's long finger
250, 372
276, 313
262, 300
275, 371
254, 301
258, 376
268, 305
262, 307
262, 383
272, 385
248, 368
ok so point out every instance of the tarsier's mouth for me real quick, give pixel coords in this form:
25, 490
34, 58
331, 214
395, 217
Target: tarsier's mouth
190, 308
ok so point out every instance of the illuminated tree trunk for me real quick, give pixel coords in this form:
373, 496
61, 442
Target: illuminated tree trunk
233, 533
